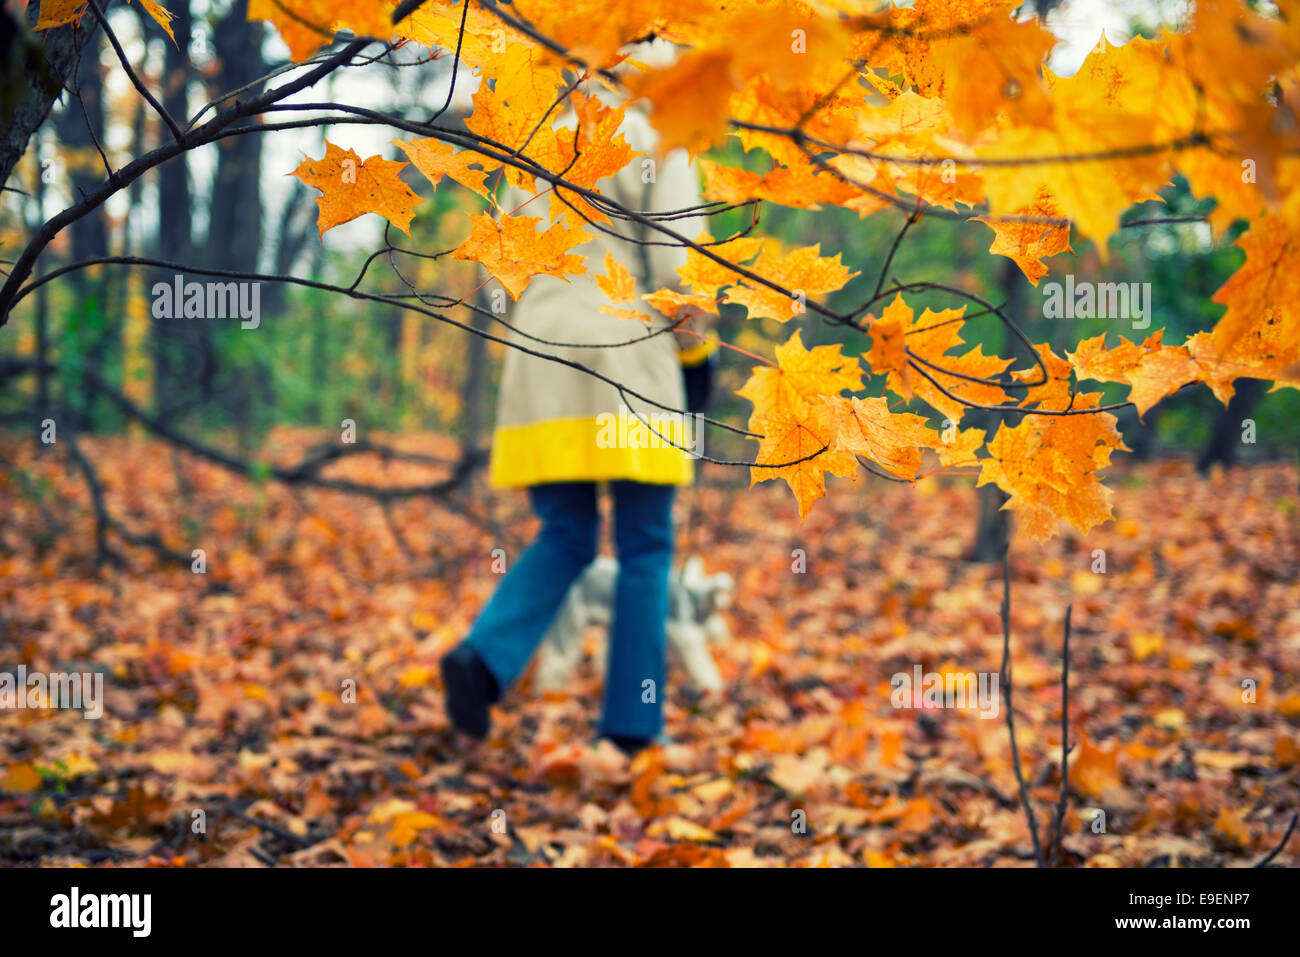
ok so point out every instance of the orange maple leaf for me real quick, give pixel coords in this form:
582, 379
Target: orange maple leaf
1026, 240
352, 187
1048, 465
800, 438
617, 283
928, 338
797, 428
800, 375
1152, 370
803, 271
893, 440
436, 159
513, 251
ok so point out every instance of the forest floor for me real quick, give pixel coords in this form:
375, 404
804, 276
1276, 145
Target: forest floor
228, 738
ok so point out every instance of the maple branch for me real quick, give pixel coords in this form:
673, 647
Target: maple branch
121, 178
898, 241
398, 16
1194, 139
506, 156
131, 74
1011, 721
85, 115
227, 124
389, 300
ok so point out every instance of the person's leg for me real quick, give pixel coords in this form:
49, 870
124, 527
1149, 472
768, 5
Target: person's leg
509, 628
634, 679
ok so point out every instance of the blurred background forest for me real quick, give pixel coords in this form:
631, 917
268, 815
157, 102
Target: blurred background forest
317, 359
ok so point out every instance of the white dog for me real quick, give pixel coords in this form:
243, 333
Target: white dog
694, 602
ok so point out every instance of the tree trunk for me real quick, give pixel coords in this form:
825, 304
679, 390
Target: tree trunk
992, 523
46, 61
174, 239
235, 233
1225, 439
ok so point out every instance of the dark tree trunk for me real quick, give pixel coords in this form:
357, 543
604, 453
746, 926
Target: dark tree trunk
44, 61
174, 239
235, 233
1141, 433
235, 226
1225, 439
993, 523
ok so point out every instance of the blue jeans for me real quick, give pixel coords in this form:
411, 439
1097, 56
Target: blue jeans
509, 629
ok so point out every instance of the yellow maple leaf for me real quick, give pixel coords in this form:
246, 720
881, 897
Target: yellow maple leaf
513, 110
352, 187
893, 440
436, 159
913, 350
56, 13
803, 271
960, 449
513, 251
669, 301
704, 275
799, 438
623, 313
485, 38
801, 375
1026, 240
976, 57
617, 282
161, 16
594, 149
306, 25
1259, 335
800, 432
1048, 466
689, 99
1152, 370
1050, 385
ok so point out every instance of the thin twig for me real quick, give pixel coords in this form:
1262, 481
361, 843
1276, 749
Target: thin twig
1280, 844
1065, 730
131, 75
1006, 694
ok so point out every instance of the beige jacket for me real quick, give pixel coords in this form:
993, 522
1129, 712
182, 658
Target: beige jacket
556, 423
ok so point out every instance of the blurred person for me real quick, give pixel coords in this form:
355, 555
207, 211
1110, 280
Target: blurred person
552, 437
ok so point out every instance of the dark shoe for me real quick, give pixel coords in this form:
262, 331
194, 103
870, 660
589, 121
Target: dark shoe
470, 690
